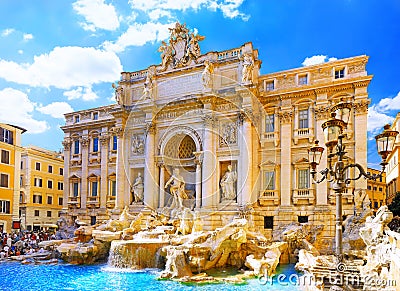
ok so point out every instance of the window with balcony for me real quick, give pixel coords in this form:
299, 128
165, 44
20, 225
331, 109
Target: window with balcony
339, 73
6, 136
95, 144
94, 188
75, 189
115, 144
269, 85
113, 188
4, 180
303, 179
76, 147
269, 183
5, 157
303, 80
5, 206
303, 118
269, 123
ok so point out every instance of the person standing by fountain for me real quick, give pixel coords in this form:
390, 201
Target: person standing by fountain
177, 189
137, 189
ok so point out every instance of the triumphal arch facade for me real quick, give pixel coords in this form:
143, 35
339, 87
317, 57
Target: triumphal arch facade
206, 131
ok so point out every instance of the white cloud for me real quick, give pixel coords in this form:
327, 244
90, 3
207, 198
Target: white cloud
229, 8
138, 35
20, 52
377, 119
27, 36
97, 14
55, 109
16, 109
387, 104
317, 59
158, 13
65, 67
84, 93
7, 31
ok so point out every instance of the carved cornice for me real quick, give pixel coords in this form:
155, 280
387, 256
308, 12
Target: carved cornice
104, 139
322, 112
117, 130
66, 144
209, 119
150, 128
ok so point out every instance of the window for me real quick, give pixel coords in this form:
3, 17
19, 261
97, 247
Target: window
50, 184
302, 219
303, 118
92, 220
76, 147
49, 213
49, 199
114, 146
60, 186
36, 212
380, 189
268, 222
50, 169
95, 115
369, 187
376, 204
303, 181
76, 189
60, 201
37, 199
269, 180
21, 181
339, 73
76, 119
95, 144
38, 182
303, 80
374, 188
5, 206
269, 123
4, 180
22, 165
6, 136
37, 166
113, 188
61, 171
5, 157
94, 188
59, 213
269, 85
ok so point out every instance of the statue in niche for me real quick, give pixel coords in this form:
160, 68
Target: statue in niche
247, 71
177, 189
137, 189
206, 76
228, 184
137, 145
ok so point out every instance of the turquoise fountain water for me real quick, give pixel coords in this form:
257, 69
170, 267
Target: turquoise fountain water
17, 277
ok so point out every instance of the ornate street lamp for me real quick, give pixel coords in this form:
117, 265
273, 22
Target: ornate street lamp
337, 174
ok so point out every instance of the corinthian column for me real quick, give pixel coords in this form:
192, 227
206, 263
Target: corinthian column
104, 141
208, 169
120, 175
161, 187
198, 161
286, 167
67, 157
85, 160
150, 193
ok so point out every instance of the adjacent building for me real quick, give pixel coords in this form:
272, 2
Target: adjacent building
10, 148
392, 168
42, 185
376, 189
236, 138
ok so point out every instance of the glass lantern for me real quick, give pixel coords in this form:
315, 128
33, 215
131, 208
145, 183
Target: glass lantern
342, 111
332, 128
314, 155
385, 141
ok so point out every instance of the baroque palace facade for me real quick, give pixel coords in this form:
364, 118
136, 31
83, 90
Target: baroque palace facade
235, 141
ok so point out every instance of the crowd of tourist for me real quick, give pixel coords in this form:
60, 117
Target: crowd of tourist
22, 243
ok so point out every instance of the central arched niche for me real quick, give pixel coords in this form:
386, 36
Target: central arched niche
179, 153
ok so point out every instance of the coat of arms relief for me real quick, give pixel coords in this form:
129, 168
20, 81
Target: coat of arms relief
181, 49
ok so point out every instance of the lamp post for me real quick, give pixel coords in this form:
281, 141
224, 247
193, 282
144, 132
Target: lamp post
336, 172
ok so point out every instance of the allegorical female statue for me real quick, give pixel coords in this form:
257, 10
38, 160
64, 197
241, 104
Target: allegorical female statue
137, 189
228, 184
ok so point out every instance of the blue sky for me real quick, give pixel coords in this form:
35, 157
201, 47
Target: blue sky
59, 56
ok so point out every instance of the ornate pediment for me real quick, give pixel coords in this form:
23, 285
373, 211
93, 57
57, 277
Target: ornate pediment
182, 47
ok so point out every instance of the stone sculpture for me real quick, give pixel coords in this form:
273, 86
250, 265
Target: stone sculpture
137, 189
137, 145
247, 71
206, 76
228, 184
177, 189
